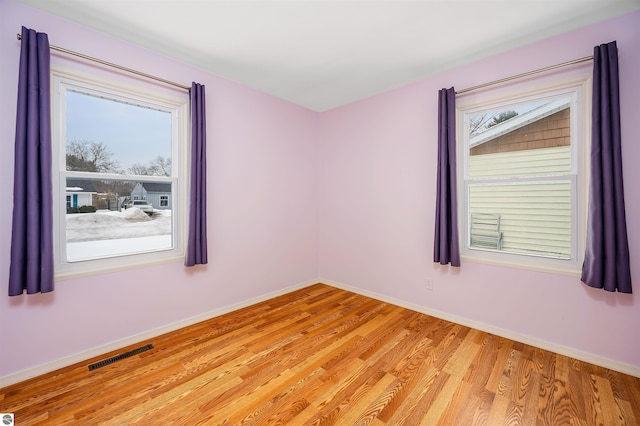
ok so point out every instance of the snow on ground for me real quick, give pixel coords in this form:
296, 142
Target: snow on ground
109, 233
110, 225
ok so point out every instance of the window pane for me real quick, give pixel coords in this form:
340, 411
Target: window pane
108, 136
103, 220
527, 140
534, 217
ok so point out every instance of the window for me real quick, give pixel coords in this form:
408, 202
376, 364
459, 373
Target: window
113, 146
522, 186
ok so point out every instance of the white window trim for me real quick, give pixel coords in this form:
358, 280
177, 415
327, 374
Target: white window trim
179, 107
580, 156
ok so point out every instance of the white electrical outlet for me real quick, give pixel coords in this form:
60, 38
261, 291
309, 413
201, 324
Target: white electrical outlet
429, 284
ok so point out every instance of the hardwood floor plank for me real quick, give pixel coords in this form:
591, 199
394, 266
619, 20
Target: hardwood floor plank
632, 392
483, 401
325, 356
515, 414
592, 404
498, 411
458, 409
481, 368
354, 379
409, 379
442, 401
576, 390
503, 351
628, 416
555, 405
611, 410
362, 411
462, 358
419, 398
285, 400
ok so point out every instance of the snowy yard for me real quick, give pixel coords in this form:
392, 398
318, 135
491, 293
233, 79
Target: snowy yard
110, 233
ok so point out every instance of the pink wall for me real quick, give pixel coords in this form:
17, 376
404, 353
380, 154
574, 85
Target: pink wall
376, 214
261, 205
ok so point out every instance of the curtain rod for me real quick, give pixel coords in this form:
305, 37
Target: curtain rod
526, 74
110, 64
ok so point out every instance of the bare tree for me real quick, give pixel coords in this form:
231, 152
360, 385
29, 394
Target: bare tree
481, 122
503, 116
90, 156
139, 169
160, 166
478, 123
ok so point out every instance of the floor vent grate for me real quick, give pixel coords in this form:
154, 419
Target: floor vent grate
119, 357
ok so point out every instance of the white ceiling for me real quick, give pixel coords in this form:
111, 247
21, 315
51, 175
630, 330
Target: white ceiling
325, 53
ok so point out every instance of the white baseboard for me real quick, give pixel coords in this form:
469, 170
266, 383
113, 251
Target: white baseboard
532, 341
100, 350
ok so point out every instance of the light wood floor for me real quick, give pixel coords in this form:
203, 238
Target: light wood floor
322, 356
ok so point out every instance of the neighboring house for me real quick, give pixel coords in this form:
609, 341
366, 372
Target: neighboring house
80, 192
535, 143
156, 194
547, 126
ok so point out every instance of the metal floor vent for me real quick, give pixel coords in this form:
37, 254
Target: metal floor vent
119, 357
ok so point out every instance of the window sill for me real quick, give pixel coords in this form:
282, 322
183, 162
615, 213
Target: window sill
116, 264
569, 268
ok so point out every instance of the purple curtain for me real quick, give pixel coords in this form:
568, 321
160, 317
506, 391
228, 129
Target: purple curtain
32, 232
606, 262
197, 234
446, 245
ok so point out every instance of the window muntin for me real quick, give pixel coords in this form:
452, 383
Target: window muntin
108, 141
523, 171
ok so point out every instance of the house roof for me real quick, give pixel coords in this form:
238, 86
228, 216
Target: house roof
80, 185
519, 121
156, 187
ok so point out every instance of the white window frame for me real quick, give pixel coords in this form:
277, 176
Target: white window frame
580, 90
163, 99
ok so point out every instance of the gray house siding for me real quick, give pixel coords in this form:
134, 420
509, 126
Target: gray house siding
156, 194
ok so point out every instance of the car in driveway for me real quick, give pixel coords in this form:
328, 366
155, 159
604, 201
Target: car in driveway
141, 204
